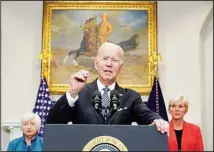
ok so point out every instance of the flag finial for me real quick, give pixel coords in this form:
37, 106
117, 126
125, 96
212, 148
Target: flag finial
154, 59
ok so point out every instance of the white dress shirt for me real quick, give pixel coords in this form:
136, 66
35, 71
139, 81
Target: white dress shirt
71, 100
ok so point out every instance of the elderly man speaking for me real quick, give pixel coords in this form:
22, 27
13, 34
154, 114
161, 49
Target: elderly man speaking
77, 105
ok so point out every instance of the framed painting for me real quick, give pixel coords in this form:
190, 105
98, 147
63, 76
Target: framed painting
74, 30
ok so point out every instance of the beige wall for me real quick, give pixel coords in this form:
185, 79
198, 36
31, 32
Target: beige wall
21, 45
179, 42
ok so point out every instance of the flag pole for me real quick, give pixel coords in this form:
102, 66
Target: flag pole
155, 58
156, 101
43, 101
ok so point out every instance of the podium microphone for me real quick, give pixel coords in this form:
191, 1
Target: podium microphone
96, 99
114, 96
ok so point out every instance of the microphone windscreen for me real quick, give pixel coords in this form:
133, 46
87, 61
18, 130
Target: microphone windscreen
114, 93
97, 93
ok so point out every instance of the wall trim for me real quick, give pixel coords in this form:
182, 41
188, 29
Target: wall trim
13, 128
11, 123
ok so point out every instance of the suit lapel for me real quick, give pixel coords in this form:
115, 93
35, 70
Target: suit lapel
172, 137
185, 136
93, 87
111, 115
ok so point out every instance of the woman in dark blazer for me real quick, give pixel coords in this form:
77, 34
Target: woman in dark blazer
183, 136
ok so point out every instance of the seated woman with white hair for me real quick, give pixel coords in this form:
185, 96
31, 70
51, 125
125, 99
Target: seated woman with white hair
183, 136
30, 141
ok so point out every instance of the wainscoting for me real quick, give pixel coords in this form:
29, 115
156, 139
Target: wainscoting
9, 131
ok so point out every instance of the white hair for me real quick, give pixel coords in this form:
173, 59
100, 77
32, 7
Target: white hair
181, 99
107, 45
31, 116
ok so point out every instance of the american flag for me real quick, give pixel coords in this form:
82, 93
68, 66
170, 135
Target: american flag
156, 101
43, 104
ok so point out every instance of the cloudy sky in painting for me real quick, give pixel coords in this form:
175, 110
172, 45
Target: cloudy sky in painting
66, 25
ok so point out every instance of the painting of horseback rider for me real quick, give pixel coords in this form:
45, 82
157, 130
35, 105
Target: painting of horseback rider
95, 35
81, 34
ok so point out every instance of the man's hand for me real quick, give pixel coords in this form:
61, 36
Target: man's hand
78, 82
162, 125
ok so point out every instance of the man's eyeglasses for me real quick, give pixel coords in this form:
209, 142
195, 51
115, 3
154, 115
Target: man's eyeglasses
112, 60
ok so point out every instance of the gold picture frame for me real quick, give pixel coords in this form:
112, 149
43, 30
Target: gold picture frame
65, 23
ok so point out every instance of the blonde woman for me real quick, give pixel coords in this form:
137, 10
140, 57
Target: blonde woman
30, 141
183, 136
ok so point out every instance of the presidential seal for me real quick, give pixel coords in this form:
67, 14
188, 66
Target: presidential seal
105, 143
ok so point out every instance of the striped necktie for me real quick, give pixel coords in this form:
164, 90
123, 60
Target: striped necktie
105, 102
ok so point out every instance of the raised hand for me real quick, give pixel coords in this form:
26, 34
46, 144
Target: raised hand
78, 82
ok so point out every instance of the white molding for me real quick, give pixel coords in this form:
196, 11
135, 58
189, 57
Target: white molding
11, 123
13, 128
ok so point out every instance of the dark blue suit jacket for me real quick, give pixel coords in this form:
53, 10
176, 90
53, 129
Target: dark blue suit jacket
131, 109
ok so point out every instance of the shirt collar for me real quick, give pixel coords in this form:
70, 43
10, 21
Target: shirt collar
33, 139
101, 86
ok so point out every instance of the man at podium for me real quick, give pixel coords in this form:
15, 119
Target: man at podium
103, 101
